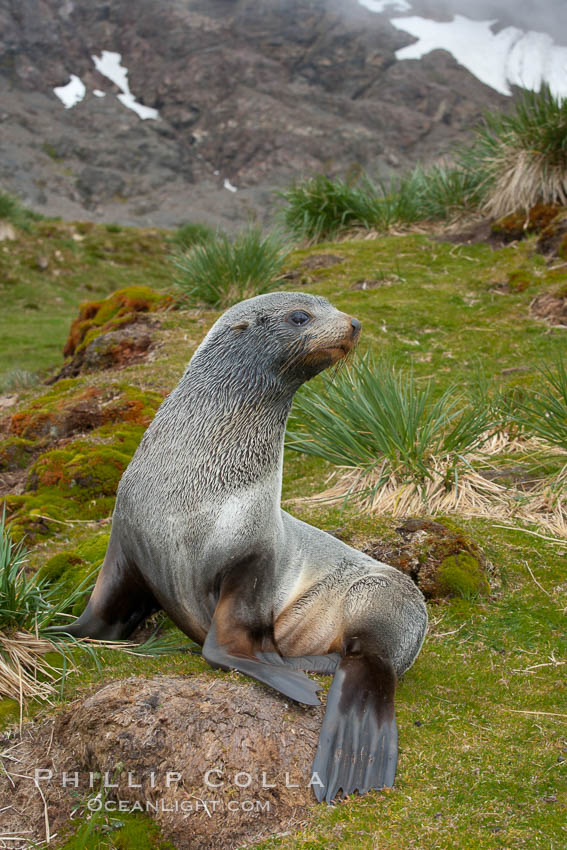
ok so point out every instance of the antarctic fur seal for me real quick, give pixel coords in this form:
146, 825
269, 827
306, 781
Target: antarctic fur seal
198, 531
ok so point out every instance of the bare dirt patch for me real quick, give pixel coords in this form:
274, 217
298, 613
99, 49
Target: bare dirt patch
553, 239
13, 481
321, 261
480, 232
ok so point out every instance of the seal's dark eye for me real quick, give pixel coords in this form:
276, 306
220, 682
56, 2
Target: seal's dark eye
299, 317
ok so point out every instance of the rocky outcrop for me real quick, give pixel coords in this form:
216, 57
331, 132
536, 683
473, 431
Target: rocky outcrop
256, 93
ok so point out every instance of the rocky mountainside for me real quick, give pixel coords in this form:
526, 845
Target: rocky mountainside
250, 94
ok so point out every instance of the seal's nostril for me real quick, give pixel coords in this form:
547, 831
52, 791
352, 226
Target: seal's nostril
356, 326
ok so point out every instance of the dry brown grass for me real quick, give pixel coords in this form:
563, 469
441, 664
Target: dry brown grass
474, 494
25, 673
523, 179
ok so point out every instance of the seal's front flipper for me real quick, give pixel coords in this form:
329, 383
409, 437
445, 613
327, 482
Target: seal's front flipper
358, 745
290, 683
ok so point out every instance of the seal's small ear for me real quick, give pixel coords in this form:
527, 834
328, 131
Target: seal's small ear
241, 326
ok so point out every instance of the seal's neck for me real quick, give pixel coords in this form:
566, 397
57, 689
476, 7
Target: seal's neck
230, 428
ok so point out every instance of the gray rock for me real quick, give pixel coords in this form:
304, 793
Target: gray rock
257, 92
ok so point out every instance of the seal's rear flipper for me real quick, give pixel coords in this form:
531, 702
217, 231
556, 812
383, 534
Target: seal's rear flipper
358, 745
290, 683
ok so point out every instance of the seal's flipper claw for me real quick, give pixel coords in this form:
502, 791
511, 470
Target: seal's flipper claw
312, 663
291, 683
358, 745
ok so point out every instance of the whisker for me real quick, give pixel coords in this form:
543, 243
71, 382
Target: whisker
294, 357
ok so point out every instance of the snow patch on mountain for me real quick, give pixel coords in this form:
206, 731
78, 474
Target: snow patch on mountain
508, 57
109, 64
72, 93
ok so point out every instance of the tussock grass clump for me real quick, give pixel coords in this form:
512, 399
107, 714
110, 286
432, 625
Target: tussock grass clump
523, 155
318, 208
516, 161
221, 272
34, 661
28, 606
437, 193
399, 450
544, 411
321, 208
376, 419
193, 233
17, 379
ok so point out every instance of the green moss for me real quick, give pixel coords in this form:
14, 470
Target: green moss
15, 453
69, 569
122, 831
57, 567
462, 575
86, 470
9, 711
82, 470
94, 549
77, 482
49, 511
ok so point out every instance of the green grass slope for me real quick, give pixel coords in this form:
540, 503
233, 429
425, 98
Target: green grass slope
482, 714
48, 270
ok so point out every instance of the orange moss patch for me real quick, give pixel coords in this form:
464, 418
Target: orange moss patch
553, 238
518, 280
121, 308
520, 224
69, 409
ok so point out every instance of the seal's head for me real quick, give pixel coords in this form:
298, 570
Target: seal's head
290, 336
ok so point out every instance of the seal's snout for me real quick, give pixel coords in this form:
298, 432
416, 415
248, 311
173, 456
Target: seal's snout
349, 334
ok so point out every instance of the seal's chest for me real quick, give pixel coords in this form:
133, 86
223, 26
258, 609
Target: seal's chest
245, 515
